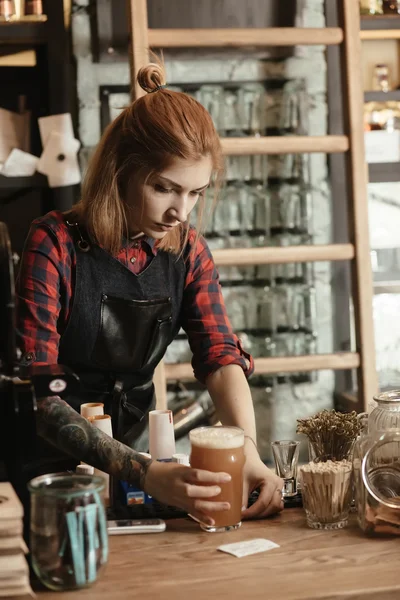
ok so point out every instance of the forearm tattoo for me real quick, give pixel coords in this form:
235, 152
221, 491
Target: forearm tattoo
59, 424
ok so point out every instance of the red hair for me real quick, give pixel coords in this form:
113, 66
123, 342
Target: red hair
143, 140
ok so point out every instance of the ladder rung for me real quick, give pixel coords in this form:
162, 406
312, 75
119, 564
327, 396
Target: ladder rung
269, 255
285, 144
239, 38
281, 364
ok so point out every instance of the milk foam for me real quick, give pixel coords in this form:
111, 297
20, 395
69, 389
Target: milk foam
217, 438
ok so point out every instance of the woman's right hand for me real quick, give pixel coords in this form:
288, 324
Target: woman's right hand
186, 488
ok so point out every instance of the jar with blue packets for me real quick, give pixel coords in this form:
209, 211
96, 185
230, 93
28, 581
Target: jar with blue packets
68, 530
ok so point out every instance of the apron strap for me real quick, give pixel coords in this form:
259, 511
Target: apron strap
120, 401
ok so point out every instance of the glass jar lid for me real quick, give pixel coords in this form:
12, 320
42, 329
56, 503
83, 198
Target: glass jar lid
390, 397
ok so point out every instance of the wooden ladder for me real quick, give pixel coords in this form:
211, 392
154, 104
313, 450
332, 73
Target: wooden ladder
352, 144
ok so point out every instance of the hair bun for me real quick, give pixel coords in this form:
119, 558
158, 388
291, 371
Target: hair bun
151, 77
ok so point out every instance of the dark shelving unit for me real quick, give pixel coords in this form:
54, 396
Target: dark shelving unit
22, 183
374, 22
24, 32
47, 88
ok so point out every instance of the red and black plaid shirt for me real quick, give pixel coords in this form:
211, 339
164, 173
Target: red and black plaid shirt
45, 292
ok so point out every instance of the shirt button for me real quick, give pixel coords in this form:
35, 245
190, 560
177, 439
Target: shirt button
135, 244
29, 356
133, 260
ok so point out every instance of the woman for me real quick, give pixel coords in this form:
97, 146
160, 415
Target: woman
105, 289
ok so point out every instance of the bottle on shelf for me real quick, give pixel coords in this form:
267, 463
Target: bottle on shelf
34, 8
381, 80
34, 11
371, 7
7, 10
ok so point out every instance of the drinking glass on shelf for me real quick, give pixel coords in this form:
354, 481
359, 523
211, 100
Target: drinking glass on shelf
221, 450
298, 307
253, 110
266, 309
232, 113
262, 209
245, 165
259, 169
247, 208
212, 98
220, 217
283, 347
294, 109
291, 205
241, 306
283, 295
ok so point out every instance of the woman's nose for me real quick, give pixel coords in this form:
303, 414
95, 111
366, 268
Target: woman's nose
179, 209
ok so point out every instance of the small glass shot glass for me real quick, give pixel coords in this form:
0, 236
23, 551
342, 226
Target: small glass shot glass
286, 457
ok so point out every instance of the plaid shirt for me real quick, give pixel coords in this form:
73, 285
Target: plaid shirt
45, 292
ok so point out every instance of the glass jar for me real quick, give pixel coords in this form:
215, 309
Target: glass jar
386, 415
375, 453
376, 468
68, 529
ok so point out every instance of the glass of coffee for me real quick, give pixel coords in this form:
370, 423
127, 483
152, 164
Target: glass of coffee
221, 450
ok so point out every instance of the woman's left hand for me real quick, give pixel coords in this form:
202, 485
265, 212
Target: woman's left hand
258, 476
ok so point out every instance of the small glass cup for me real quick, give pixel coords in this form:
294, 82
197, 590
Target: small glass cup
221, 450
286, 457
68, 537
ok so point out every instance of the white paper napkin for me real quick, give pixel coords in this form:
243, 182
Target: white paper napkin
248, 547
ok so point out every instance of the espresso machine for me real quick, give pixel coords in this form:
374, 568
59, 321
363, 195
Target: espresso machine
20, 386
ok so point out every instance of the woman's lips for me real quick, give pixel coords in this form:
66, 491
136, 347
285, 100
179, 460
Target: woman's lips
164, 227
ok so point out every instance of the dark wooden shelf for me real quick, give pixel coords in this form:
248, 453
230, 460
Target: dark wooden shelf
23, 32
380, 22
377, 96
384, 172
20, 183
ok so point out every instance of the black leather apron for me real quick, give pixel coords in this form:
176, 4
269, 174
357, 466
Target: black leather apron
119, 329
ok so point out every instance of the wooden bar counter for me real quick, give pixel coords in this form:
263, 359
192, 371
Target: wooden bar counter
183, 564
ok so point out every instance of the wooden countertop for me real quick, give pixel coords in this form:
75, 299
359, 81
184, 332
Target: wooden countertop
183, 564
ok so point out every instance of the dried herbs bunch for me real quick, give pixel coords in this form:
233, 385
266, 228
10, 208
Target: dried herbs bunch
331, 433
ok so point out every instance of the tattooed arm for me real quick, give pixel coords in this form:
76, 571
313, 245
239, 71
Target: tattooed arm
59, 424
170, 483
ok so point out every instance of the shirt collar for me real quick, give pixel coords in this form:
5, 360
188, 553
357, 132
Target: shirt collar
144, 239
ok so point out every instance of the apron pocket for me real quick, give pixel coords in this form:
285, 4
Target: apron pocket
130, 332
159, 341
